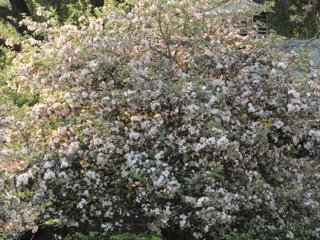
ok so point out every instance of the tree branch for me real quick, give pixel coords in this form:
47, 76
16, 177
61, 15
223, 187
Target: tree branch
97, 3
315, 37
20, 7
13, 18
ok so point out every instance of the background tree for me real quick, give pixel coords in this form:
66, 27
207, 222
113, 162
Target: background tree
295, 18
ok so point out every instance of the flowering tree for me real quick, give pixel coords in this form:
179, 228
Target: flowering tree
166, 111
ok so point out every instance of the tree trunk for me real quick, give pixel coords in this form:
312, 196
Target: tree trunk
20, 7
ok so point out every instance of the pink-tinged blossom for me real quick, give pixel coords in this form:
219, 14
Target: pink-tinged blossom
48, 175
173, 186
222, 141
278, 124
308, 146
91, 174
282, 65
251, 108
291, 107
201, 201
84, 94
23, 179
294, 93
47, 164
134, 135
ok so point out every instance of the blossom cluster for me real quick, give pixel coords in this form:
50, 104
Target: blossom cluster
159, 111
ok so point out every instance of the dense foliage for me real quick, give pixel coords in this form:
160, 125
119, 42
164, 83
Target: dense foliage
165, 111
122, 236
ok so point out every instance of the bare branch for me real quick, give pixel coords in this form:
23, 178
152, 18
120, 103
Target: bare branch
315, 37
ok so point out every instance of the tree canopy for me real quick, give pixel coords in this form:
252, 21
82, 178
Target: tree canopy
292, 18
160, 109
295, 18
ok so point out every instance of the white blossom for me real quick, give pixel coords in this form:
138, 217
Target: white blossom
23, 179
48, 175
291, 107
82, 203
222, 141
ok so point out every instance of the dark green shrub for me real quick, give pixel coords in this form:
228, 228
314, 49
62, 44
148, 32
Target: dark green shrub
82, 237
121, 236
130, 236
